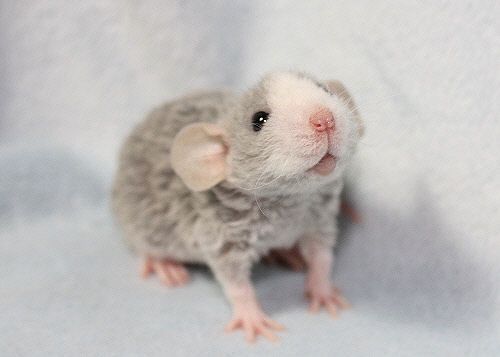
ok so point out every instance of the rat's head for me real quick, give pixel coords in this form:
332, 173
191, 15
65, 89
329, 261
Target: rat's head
289, 134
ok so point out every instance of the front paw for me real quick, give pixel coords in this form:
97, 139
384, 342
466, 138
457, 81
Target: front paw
325, 295
253, 321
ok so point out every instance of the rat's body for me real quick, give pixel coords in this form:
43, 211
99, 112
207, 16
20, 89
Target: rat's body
156, 210
213, 194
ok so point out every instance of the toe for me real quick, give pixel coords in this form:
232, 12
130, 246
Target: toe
183, 278
315, 304
175, 274
249, 332
146, 268
267, 334
184, 274
179, 272
273, 324
332, 309
163, 274
233, 325
342, 302
169, 272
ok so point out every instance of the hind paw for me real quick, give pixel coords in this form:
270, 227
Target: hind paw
170, 272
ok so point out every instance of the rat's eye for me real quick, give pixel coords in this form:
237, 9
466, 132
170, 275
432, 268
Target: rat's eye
258, 120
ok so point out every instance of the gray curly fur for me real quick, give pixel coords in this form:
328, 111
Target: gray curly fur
227, 227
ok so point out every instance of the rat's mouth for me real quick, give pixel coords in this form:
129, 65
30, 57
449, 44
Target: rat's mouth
325, 166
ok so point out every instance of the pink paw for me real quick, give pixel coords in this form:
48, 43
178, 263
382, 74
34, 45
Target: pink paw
170, 272
329, 296
253, 322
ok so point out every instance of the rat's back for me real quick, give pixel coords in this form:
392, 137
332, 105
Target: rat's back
152, 205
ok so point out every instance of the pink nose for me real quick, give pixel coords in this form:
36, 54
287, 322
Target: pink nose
322, 120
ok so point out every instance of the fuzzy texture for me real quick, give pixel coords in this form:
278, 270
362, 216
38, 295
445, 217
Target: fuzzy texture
422, 270
152, 203
268, 200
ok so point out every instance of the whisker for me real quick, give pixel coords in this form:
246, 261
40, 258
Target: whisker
258, 205
257, 187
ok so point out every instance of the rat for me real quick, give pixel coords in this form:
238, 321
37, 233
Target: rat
224, 178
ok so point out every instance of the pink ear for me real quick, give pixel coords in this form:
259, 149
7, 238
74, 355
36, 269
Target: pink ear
198, 156
339, 89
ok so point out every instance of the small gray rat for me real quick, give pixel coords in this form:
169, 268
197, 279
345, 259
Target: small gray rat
221, 179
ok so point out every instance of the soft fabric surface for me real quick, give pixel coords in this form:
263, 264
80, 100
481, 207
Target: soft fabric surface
423, 269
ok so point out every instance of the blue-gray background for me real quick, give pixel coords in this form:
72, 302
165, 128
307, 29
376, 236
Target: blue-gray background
422, 270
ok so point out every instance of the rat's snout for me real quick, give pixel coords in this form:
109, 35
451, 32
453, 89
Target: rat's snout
322, 120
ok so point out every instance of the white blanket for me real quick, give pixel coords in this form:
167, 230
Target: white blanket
423, 269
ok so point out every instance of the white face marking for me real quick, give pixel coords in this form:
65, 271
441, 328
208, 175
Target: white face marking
292, 101
289, 94
279, 157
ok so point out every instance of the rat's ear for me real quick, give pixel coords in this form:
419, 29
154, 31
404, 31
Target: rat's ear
339, 89
198, 155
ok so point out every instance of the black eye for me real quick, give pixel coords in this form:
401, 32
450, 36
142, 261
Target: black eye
258, 120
